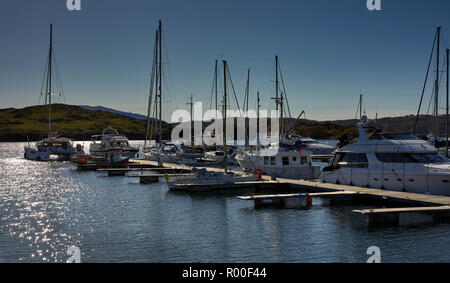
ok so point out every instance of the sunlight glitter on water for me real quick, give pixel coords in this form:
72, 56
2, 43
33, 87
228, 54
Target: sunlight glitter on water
45, 208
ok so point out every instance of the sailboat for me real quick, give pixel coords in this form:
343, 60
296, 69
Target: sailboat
54, 144
211, 178
291, 161
435, 137
157, 152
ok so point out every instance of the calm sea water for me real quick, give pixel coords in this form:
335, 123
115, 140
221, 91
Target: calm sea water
47, 207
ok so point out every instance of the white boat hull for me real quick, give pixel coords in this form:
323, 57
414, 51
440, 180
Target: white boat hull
414, 178
33, 154
295, 170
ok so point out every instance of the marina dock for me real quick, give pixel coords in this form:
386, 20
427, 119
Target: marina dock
412, 208
160, 170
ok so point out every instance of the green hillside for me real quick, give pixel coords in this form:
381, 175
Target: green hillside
80, 123
71, 121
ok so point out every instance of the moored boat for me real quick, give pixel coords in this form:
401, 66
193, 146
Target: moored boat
53, 145
101, 144
398, 162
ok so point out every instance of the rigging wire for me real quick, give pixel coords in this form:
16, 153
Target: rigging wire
283, 91
149, 126
232, 87
425, 84
59, 86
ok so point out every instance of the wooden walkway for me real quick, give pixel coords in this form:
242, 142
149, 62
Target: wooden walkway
274, 196
427, 208
314, 186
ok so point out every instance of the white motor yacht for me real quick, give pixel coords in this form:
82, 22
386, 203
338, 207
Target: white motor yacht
316, 147
288, 162
100, 144
398, 162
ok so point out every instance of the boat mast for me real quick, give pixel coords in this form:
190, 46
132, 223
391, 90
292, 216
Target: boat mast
150, 98
225, 115
446, 117
215, 85
215, 91
160, 94
279, 100
247, 94
257, 117
49, 82
191, 104
360, 106
436, 88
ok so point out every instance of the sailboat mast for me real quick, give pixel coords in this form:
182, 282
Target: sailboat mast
257, 118
446, 117
191, 104
247, 94
279, 103
150, 98
436, 88
360, 106
49, 82
160, 92
215, 85
225, 114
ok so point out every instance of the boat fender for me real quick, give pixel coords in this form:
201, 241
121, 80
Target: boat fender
258, 172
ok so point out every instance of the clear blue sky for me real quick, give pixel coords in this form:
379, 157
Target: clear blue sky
328, 51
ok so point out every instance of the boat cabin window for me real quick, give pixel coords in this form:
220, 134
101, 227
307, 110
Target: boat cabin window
396, 157
294, 159
119, 144
429, 158
285, 160
393, 137
303, 159
272, 160
354, 160
266, 160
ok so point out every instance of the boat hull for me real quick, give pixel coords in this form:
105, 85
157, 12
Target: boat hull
33, 154
415, 179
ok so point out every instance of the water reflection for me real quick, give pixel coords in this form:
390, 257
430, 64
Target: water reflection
47, 207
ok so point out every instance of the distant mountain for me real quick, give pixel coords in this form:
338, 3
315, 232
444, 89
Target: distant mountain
101, 108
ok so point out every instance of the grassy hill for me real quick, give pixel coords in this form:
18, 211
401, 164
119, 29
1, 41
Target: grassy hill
80, 123
72, 121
